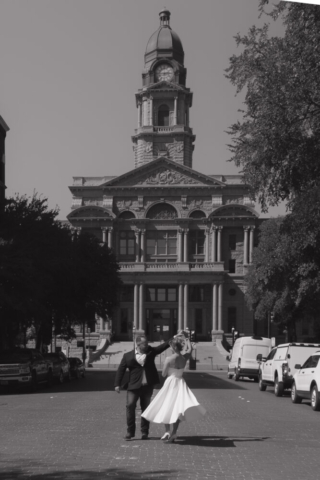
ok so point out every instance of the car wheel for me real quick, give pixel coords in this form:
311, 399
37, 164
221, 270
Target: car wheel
315, 401
256, 379
61, 377
294, 397
278, 388
262, 386
34, 382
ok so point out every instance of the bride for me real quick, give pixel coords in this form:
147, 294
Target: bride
174, 402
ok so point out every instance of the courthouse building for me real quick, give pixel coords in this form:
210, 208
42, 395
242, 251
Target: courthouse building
184, 239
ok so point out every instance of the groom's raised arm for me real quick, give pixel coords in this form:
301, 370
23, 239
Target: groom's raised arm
163, 346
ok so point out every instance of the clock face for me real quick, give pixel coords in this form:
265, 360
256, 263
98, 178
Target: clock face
164, 72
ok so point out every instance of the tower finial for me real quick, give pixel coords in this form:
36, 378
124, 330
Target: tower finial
164, 17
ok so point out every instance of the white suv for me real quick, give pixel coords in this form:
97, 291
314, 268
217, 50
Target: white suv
306, 382
279, 367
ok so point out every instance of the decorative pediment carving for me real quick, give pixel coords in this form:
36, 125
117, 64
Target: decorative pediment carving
234, 211
90, 212
165, 176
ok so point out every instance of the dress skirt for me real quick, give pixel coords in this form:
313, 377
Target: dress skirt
174, 401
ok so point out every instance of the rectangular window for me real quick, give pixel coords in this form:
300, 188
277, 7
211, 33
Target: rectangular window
124, 320
161, 243
196, 293
197, 241
232, 318
232, 265
127, 243
161, 294
232, 242
198, 320
127, 293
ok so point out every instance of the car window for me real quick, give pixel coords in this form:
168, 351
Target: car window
271, 354
307, 363
313, 361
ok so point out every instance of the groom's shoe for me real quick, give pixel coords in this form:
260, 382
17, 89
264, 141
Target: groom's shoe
128, 436
144, 436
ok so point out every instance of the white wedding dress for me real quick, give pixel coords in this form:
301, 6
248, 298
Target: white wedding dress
174, 401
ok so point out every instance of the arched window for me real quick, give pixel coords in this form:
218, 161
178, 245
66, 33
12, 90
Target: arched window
163, 116
126, 215
162, 211
197, 214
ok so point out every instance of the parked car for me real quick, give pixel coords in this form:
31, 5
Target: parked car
243, 358
24, 367
278, 368
77, 368
306, 382
60, 366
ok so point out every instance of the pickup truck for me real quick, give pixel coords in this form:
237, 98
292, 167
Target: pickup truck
24, 367
278, 368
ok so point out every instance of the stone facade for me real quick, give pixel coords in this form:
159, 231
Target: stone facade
184, 240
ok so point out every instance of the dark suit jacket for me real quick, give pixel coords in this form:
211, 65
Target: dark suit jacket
136, 370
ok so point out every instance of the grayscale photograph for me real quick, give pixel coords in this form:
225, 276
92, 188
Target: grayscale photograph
159, 239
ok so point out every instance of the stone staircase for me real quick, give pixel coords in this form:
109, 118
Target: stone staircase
209, 356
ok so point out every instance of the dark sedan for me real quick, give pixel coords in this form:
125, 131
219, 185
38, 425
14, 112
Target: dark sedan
77, 368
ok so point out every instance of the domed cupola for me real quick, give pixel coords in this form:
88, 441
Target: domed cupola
164, 43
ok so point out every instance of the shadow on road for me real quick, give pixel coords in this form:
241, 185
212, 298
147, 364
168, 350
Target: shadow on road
217, 441
104, 474
102, 381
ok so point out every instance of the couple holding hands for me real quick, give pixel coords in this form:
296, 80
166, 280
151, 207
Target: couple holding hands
174, 402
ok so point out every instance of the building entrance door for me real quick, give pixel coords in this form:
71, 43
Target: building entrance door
162, 324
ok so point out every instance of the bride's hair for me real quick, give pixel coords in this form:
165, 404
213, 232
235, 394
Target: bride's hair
176, 344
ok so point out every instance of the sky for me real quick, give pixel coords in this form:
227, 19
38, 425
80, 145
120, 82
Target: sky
69, 73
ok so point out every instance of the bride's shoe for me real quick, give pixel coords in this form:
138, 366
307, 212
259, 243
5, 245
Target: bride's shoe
172, 438
166, 436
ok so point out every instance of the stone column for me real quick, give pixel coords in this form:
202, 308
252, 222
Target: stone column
180, 244
188, 116
145, 112
207, 233
245, 246
136, 306
220, 310
139, 114
185, 306
110, 230
219, 246
137, 234
141, 308
185, 253
143, 246
180, 310
151, 111
104, 234
175, 121
214, 244
251, 243
214, 308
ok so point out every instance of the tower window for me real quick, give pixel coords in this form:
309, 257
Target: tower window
163, 116
232, 266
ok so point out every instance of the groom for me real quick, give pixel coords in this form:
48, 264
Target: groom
143, 376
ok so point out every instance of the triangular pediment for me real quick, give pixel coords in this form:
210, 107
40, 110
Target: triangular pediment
163, 172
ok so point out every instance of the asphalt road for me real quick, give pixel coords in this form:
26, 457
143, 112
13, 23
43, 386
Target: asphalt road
75, 432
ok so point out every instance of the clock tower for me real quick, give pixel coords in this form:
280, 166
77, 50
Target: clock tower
164, 101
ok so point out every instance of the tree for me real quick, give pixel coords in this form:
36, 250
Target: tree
284, 277
277, 143
49, 278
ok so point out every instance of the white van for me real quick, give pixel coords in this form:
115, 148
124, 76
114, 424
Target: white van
243, 357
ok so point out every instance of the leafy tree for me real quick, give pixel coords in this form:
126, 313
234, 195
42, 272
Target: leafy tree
48, 277
285, 277
277, 143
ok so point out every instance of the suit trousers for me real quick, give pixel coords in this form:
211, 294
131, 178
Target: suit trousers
145, 394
